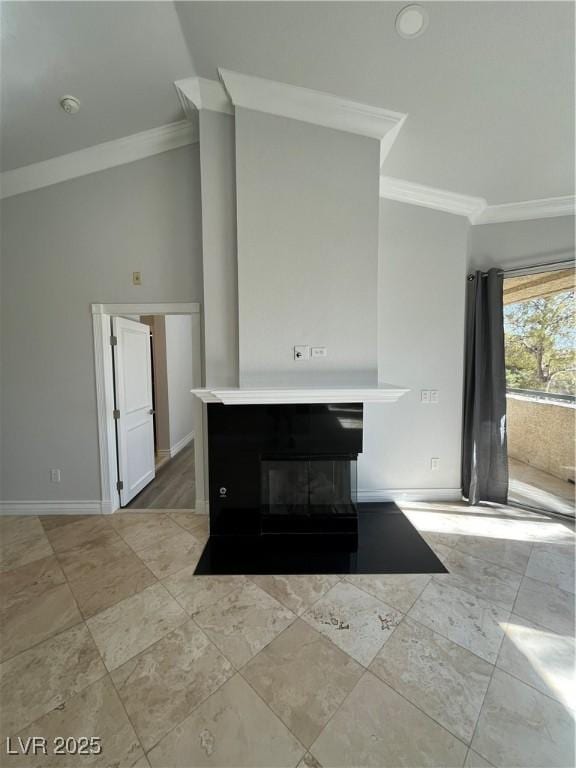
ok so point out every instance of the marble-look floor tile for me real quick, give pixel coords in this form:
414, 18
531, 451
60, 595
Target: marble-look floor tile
493, 583
377, 727
297, 593
22, 540
474, 760
142, 763
143, 529
540, 658
546, 605
443, 679
191, 521
80, 532
438, 539
521, 727
400, 590
103, 587
134, 624
162, 685
465, 618
436, 527
231, 729
97, 711
304, 678
28, 622
197, 592
553, 564
308, 761
508, 553
28, 581
243, 622
35, 603
173, 553
55, 521
355, 621
84, 560
43, 677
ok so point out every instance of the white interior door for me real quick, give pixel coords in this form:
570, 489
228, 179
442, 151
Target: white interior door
133, 390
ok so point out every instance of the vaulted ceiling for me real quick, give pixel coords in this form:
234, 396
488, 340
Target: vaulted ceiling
489, 87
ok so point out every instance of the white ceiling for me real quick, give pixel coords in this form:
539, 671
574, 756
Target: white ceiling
119, 58
489, 87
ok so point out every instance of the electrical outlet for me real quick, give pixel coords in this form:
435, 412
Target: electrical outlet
136, 278
429, 396
424, 395
302, 353
434, 396
319, 352
434, 463
55, 476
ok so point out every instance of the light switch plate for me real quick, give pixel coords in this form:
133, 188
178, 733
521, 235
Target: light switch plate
136, 278
302, 352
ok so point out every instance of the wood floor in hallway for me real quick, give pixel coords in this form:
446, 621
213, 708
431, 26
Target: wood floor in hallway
173, 486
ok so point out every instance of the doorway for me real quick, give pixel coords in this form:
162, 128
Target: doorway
147, 359
540, 344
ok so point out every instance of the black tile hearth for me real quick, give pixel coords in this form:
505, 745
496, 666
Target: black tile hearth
387, 543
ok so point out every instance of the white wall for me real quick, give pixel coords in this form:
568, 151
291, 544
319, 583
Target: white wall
307, 203
64, 247
522, 243
421, 291
218, 175
180, 379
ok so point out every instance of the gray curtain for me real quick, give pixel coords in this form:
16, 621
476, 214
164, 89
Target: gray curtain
484, 450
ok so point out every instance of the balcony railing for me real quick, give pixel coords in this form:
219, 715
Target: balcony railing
538, 394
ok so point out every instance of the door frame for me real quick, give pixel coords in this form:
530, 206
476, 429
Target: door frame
101, 314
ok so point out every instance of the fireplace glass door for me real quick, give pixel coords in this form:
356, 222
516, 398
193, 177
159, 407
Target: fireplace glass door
307, 494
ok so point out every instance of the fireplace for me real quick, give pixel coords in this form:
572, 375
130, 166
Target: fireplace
307, 494
285, 472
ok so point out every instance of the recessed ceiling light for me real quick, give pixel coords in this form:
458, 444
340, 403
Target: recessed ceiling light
411, 21
70, 104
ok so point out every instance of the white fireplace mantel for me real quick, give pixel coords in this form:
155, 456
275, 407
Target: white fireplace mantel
380, 393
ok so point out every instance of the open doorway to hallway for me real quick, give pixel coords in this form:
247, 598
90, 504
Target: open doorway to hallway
167, 479
540, 336
153, 376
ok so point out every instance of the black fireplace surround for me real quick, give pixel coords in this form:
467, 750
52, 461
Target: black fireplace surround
283, 497
285, 472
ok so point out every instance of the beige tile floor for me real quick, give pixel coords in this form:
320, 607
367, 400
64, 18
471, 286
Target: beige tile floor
106, 632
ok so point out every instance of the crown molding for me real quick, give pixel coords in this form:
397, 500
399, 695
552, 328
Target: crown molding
97, 158
430, 197
546, 208
310, 106
197, 93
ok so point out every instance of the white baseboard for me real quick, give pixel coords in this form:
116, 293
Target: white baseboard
177, 447
411, 494
55, 507
202, 507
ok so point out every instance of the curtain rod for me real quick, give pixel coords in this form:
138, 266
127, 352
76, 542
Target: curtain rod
554, 266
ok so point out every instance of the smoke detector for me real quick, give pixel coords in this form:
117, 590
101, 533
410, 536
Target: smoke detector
411, 21
70, 104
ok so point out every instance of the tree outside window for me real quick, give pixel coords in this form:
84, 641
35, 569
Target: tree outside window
540, 340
